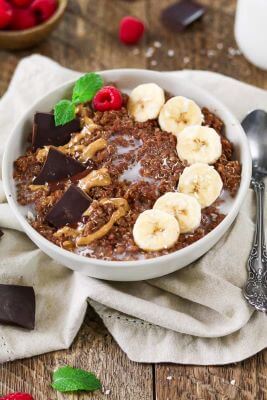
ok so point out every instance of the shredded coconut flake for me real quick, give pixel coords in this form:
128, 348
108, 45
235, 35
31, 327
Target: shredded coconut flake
136, 51
149, 52
157, 44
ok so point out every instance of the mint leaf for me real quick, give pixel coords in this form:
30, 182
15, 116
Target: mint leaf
86, 87
68, 379
64, 111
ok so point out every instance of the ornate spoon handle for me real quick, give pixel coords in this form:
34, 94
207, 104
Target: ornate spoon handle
256, 288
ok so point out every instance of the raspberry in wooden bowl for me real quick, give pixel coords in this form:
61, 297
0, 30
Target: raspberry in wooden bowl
119, 193
27, 22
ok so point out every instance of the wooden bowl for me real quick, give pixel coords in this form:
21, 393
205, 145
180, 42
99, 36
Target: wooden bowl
15, 40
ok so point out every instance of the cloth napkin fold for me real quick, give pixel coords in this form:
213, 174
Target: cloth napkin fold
196, 315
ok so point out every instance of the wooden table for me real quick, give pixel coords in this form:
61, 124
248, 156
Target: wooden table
87, 40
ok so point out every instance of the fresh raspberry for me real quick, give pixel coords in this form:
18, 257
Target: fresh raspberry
131, 30
17, 396
21, 3
44, 9
23, 19
6, 14
107, 98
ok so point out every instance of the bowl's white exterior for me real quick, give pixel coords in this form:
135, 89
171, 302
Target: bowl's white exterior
141, 269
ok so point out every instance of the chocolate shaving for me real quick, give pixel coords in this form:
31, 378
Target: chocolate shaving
179, 15
17, 306
70, 208
46, 133
58, 166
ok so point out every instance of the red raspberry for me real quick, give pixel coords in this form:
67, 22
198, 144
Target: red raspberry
21, 3
17, 396
23, 19
6, 14
131, 30
44, 9
107, 98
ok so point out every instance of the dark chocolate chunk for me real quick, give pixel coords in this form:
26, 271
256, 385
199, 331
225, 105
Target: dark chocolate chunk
1, 233
179, 15
46, 133
70, 208
17, 306
58, 166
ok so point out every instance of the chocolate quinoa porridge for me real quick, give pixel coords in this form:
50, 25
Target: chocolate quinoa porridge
122, 167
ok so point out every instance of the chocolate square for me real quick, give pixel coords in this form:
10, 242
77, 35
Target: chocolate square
70, 208
179, 15
57, 167
46, 133
17, 306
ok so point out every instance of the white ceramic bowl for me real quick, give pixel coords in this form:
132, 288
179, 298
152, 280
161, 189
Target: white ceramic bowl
141, 269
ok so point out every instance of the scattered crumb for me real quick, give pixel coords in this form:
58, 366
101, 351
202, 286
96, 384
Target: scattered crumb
232, 382
186, 60
233, 52
170, 52
30, 215
211, 53
149, 52
106, 391
136, 51
219, 46
157, 44
153, 63
169, 378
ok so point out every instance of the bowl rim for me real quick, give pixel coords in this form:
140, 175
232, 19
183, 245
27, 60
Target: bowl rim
62, 4
238, 200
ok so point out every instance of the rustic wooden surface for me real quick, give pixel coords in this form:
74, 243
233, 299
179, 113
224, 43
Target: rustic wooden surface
87, 40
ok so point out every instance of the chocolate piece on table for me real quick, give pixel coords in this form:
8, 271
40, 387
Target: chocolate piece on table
179, 15
46, 133
58, 166
1, 233
17, 306
70, 208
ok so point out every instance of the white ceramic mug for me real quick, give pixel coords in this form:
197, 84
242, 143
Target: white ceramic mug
251, 30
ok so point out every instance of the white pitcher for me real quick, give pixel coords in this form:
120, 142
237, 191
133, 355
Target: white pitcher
251, 30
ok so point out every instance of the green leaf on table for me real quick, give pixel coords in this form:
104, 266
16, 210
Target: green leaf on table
64, 111
69, 379
86, 87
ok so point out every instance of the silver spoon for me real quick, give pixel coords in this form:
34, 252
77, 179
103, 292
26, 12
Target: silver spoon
255, 126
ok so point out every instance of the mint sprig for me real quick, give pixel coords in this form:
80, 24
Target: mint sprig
84, 90
86, 87
69, 379
64, 112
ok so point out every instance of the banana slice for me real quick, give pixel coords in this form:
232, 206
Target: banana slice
145, 102
178, 113
155, 230
186, 209
199, 144
201, 181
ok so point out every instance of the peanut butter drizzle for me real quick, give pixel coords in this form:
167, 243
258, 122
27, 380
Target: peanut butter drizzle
34, 188
98, 177
66, 231
122, 208
89, 151
73, 146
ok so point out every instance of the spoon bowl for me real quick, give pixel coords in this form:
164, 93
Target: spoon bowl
255, 126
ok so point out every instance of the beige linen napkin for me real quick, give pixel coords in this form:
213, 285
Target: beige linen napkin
196, 315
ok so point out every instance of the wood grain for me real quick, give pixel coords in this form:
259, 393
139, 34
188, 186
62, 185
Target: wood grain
95, 350
87, 40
